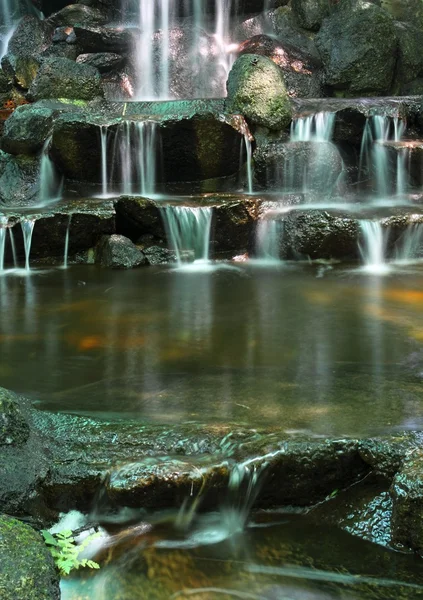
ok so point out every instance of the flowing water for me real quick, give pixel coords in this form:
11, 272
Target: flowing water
50, 183
27, 226
373, 247
188, 231
3, 232
268, 240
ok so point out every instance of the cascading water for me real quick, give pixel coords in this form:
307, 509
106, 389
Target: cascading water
27, 226
373, 246
268, 240
66, 251
313, 128
188, 229
136, 147
375, 160
249, 152
104, 171
174, 61
409, 247
51, 185
3, 231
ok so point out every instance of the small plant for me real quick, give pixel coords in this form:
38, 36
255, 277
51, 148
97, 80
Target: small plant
66, 552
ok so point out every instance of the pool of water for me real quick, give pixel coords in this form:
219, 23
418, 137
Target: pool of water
278, 556
331, 351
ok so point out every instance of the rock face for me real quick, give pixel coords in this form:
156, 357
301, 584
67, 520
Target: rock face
27, 129
63, 78
118, 252
256, 90
27, 570
18, 179
310, 13
410, 60
407, 496
361, 60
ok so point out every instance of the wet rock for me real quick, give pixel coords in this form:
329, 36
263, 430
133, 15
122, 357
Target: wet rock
118, 252
361, 61
27, 569
233, 227
77, 13
157, 255
102, 39
298, 165
103, 61
410, 11
349, 126
407, 497
63, 78
310, 13
410, 60
14, 429
413, 88
318, 234
285, 26
385, 455
139, 216
18, 179
256, 90
27, 129
22, 61
302, 72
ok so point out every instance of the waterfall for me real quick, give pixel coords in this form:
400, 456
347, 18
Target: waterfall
188, 229
51, 185
104, 174
204, 69
374, 155
3, 231
12, 244
249, 152
373, 248
135, 151
268, 240
65, 255
409, 247
27, 226
313, 128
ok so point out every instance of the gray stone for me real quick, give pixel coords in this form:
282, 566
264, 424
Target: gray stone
256, 90
102, 39
18, 179
118, 252
410, 58
14, 429
63, 78
361, 61
407, 496
77, 13
310, 13
27, 569
103, 61
27, 129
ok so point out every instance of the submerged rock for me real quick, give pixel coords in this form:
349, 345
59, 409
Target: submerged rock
361, 61
118, 252
27, 569
63, 78
256, 90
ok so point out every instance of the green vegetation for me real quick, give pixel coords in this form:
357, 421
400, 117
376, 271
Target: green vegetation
66, 552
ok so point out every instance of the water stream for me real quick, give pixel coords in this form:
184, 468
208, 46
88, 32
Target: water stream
268, 240
50, 183
188, 231
27, 226
3, 232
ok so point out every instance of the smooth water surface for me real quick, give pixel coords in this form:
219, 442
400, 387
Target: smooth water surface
333, 352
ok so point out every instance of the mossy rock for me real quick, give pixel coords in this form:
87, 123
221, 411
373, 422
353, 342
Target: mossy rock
14, 429
256, 90
27, 570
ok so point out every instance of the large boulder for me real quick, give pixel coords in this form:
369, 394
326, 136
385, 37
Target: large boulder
118, 252
77, 13
63, 78
410, 59
407, 496
104, 39
27, 129
409, 11
256, 90
302, 71
27, 569
299, 166
18, 179
103, 61
358, 45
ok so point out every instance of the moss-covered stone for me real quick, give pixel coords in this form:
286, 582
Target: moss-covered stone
256, 89
27, 570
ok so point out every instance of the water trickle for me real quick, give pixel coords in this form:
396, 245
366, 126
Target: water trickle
135, 153
27, 230
268, 240
375, 156
12, 244
313, 128
66, 252
51, 184
409, 247
373, 246
3, 231
188, 229
168, 56
249, 152
104, 173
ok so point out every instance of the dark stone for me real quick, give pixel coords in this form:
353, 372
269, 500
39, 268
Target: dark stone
103, 61
409, 11
118, 252
157, 255
310, 13
14, 429
361, 61
18, 179
302, 73
256, 90
77, 13
27, 129
27, 569
291, 165
385, 455
285, 26
413, 88
63, 78
233, 227
98, 39
407, 497
410, 59
139, 216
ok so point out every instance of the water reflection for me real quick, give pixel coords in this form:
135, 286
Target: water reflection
339, 354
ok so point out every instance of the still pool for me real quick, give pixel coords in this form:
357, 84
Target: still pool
329, 351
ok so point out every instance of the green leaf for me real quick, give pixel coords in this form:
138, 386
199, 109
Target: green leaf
49, 539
